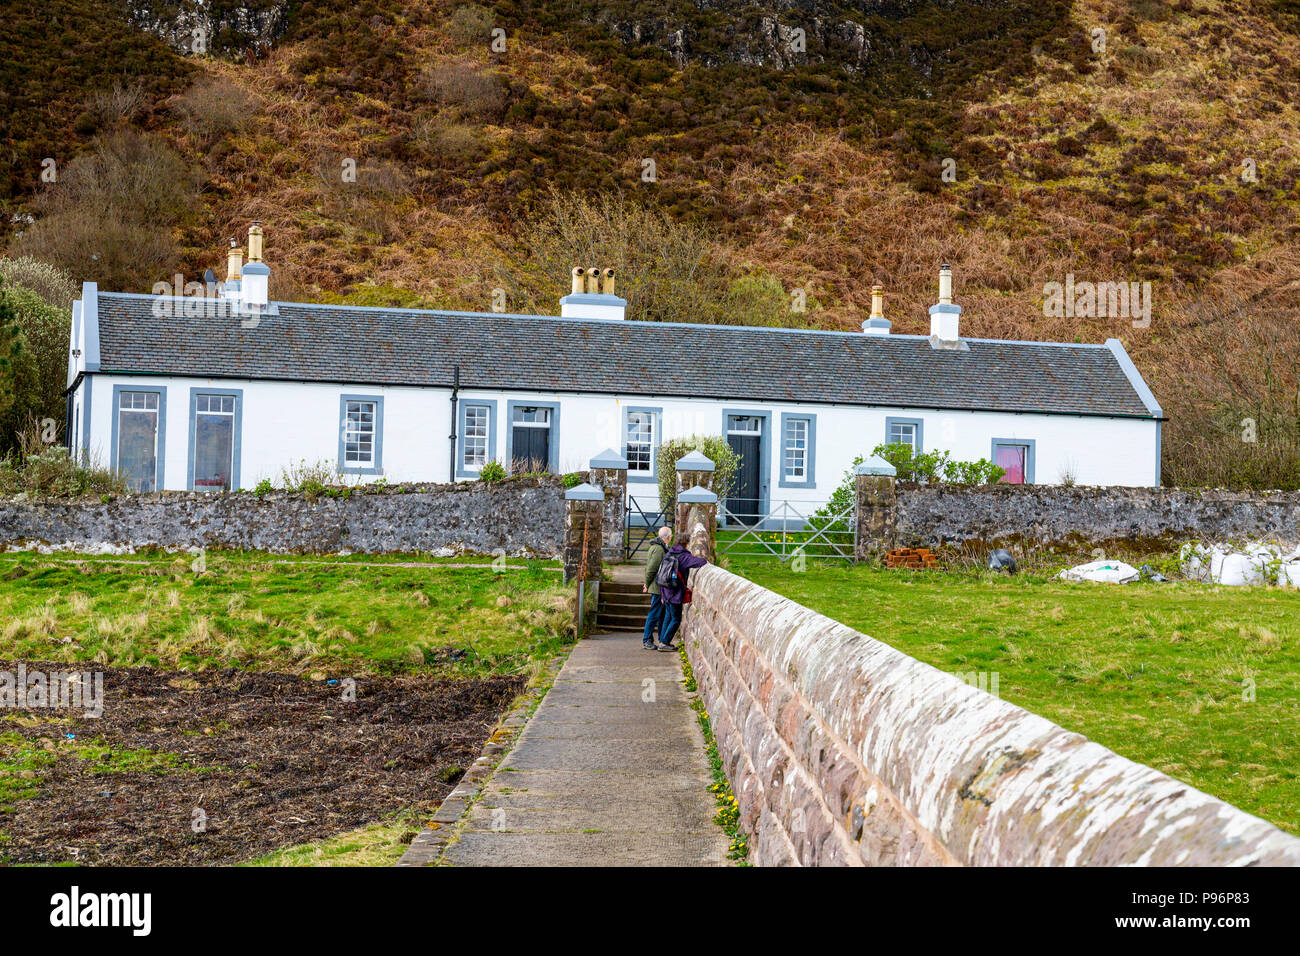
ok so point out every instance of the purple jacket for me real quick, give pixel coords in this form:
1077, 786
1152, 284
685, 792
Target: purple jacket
685, 561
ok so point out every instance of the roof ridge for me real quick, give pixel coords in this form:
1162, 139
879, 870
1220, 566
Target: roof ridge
731, 327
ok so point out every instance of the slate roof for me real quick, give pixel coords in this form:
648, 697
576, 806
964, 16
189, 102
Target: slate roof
378, 346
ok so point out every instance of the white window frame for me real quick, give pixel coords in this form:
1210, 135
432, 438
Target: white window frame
794, 455
805, 476
644, 447
475, 449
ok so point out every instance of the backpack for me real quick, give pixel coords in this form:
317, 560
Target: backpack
668, 575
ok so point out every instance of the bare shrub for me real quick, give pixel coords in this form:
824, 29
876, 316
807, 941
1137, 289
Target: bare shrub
214, 107
122, 104
471, 22
666, 270
473, 92
110, 217
1231, 389
48, 471
51, 283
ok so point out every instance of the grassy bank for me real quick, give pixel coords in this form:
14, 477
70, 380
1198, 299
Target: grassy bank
1196, 680
362, 614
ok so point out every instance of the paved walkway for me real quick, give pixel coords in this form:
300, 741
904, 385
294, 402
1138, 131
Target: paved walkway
601, 776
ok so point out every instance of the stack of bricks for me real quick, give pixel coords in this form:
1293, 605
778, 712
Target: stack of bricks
919, 558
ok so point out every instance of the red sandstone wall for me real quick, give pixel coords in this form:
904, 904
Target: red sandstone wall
844, 752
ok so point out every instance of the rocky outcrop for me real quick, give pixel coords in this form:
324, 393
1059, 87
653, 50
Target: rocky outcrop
765, 40
225, 27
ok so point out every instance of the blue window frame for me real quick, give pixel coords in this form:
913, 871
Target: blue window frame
476, 436
522, 414
798, 451
910, 431
139, 450
1016, 454
641, 441
216, 430
361, 434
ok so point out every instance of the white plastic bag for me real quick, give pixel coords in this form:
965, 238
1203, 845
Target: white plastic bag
1233, 567
1237, 569
1110, 572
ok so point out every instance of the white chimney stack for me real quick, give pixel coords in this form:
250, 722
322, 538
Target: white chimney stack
255, 277
945, 317
592, 296
876, 323
253, 291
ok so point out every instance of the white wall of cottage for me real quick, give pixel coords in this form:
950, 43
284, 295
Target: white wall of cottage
283, 423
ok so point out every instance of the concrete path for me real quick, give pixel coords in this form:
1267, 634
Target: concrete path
610, 771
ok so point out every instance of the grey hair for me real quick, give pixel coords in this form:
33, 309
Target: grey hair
666, 533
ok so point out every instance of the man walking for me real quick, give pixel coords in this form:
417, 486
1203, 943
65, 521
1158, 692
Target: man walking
672, 587
654, 619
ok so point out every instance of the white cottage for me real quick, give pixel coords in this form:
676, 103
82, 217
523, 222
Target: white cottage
221, 391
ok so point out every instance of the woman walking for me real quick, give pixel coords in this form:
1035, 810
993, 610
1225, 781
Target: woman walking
673, 578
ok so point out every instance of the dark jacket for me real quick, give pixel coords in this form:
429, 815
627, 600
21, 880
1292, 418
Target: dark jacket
654, 557
685, 561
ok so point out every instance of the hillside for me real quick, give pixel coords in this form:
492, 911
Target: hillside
1165, 156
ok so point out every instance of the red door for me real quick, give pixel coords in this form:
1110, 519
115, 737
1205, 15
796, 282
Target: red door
1012, 459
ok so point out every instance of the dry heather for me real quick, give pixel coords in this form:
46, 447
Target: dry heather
1123, 164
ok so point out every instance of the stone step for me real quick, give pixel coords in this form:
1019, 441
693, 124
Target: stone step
621, 614
620, 587
607, 607
620, 622
621, 610
625, 600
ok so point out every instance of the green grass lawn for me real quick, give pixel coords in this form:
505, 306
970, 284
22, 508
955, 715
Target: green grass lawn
276, 612
1160, 673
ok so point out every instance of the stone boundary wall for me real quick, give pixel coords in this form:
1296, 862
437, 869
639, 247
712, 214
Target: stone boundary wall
844, 751
522, 517
940, 514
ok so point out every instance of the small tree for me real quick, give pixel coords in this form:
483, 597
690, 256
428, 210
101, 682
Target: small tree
725, 461
16, 376
36, 372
